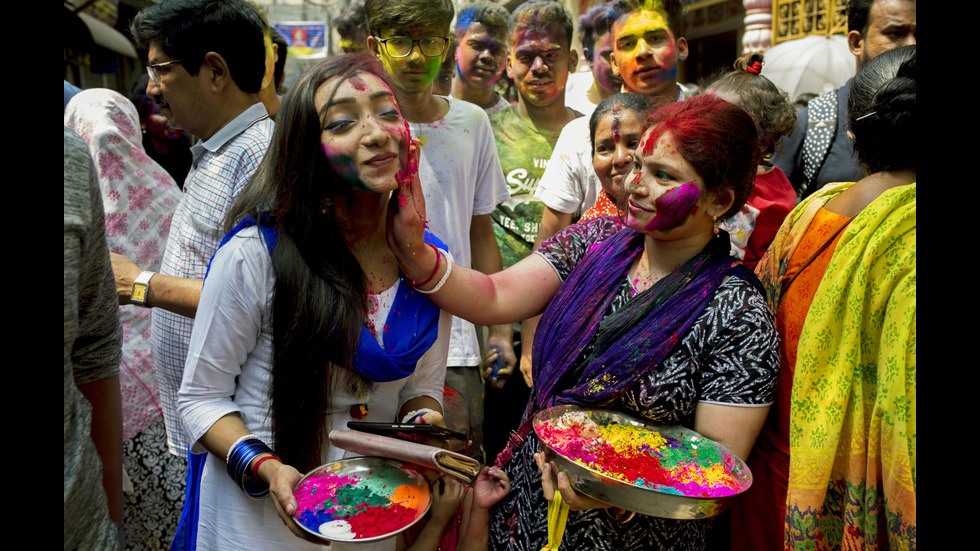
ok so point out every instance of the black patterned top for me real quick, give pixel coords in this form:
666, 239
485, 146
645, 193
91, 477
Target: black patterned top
729, 356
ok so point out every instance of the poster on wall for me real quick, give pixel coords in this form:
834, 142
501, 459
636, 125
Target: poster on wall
303, 37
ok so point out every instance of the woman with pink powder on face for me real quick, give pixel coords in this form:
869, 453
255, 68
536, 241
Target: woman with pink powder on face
305, 321
653, 318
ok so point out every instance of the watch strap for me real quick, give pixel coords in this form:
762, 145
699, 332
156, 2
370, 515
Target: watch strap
141, 288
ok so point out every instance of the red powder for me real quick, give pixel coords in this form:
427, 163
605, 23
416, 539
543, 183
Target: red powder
371, 521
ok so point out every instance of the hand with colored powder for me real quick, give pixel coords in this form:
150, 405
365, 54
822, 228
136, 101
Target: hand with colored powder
281, 485
406, 221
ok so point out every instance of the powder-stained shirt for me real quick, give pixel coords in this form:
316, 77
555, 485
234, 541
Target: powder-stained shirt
524, 150
461, 178
222, 166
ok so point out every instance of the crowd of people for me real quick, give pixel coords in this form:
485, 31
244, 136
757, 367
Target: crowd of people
450, 207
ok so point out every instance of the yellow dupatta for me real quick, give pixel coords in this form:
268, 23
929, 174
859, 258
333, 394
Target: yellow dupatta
853, 418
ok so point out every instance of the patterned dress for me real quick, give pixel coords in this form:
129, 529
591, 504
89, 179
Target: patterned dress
140, 198
729, 356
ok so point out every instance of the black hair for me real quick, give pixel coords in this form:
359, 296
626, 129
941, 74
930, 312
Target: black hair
352, 20
881, 111
640, 104
592, 24
320, 289
189, 29
543, 14
857, 15
768, 105
673, 10
282, 52
492, 16
382, 14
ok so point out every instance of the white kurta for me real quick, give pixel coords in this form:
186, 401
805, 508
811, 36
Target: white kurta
229, 371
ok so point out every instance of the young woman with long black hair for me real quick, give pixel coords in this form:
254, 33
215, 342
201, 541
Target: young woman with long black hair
305, 320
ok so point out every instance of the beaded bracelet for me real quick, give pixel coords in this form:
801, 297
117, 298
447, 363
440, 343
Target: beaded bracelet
445, 276
434, 270
241, 454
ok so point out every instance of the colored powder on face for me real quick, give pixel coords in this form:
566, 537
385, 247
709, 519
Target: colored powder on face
649, 146
357, 83
674, 206
344, 166
642, 457
616, 124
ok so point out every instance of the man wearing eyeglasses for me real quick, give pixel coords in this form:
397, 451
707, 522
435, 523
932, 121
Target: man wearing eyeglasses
206, 60
459, 169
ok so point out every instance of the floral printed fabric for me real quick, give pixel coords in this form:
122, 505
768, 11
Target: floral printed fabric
139, 198
604, 206
852, 477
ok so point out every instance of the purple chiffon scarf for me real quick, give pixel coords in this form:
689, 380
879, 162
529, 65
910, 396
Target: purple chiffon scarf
628, 343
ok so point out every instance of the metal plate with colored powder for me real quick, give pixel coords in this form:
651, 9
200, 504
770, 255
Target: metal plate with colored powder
664, 471
360, 499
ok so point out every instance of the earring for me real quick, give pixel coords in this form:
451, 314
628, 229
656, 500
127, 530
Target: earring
325, 204
715, 219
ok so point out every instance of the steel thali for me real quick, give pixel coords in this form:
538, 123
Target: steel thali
638, 497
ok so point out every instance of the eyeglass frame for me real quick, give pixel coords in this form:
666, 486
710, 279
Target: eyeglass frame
415, 42
153, 76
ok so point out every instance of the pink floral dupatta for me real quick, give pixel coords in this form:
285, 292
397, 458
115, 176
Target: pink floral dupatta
139, 198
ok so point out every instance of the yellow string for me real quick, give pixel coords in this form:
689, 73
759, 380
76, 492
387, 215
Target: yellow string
557, 515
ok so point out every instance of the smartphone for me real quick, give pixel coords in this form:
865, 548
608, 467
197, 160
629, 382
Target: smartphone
391, 429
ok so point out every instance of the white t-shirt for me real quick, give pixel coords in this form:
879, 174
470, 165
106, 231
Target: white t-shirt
570, 183
461, 178
228, 370
577, 92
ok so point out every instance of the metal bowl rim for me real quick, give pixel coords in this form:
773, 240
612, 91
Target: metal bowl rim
557, 411
369, 460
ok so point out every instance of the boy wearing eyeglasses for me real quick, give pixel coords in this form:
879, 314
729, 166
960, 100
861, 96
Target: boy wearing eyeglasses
459, 170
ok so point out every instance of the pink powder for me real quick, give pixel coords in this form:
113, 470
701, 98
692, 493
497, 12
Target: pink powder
674, 206
640, 457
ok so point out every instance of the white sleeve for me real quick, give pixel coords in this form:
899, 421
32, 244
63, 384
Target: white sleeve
568, 182
227, 328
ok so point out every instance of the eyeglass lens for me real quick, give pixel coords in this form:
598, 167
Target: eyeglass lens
401, 46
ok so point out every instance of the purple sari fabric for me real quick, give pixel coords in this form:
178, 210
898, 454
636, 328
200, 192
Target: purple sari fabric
628, 343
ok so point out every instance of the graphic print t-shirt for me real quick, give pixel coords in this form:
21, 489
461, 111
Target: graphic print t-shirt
524, 151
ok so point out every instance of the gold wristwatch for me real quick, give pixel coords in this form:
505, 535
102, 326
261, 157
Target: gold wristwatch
141, 288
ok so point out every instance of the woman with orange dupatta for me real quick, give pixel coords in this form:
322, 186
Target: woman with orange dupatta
834, 467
